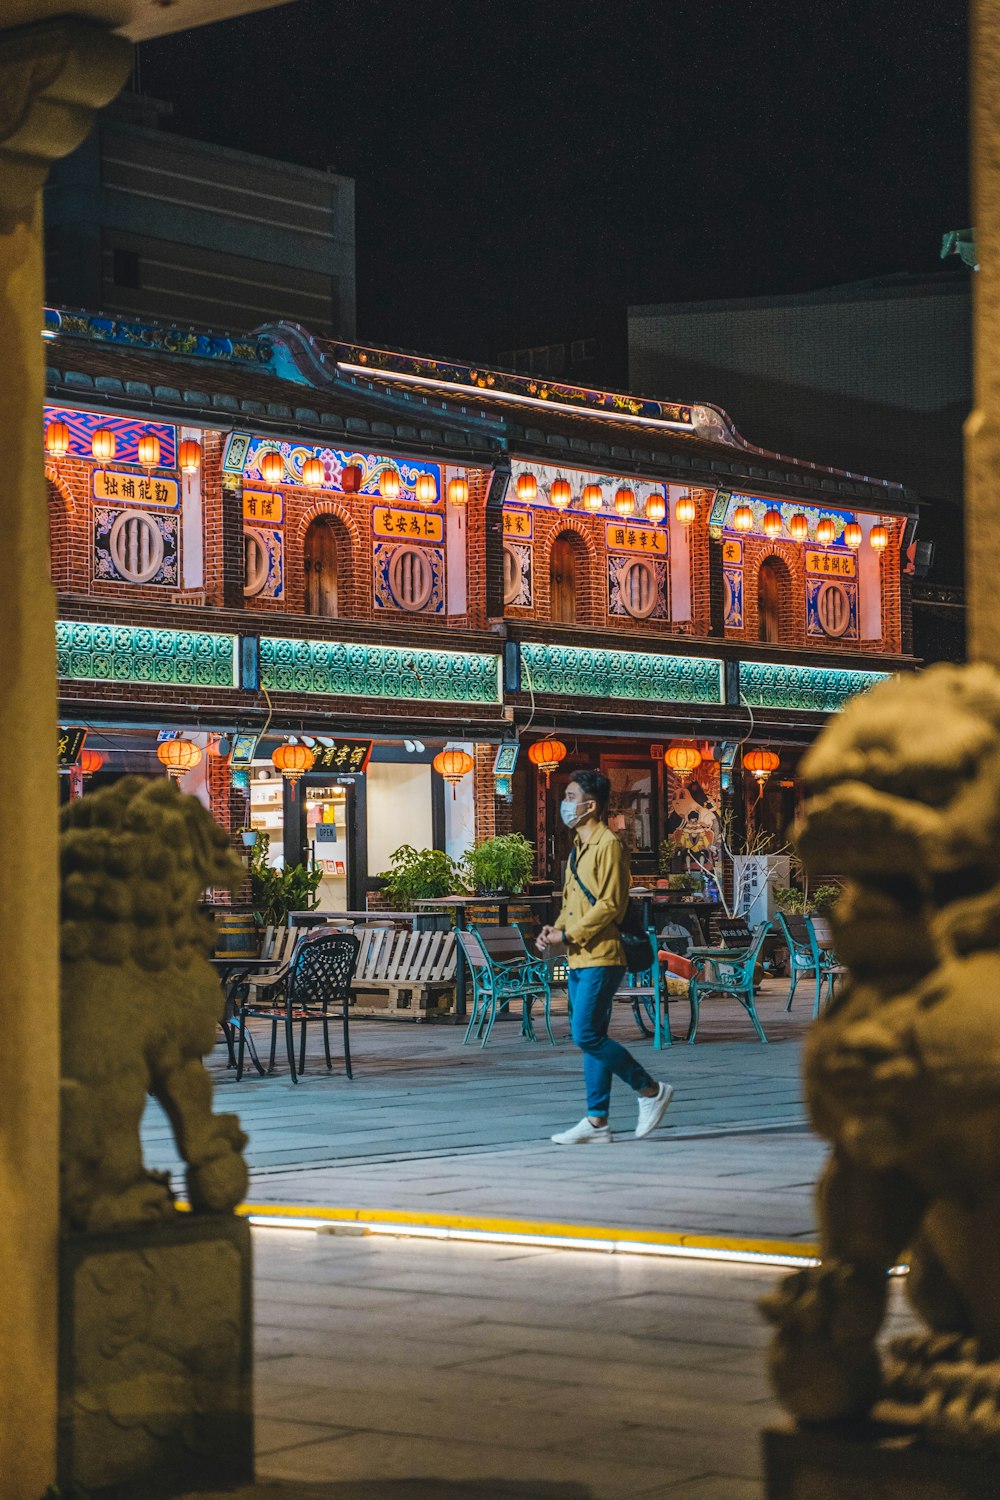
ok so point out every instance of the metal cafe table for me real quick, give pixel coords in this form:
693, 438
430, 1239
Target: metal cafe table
460, 905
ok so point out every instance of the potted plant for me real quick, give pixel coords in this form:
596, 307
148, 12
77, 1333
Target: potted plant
274, 893
420, 875
500, 866
794, 902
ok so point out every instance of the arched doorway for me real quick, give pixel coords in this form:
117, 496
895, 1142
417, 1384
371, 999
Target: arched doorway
326, 550
773, 582
567, 578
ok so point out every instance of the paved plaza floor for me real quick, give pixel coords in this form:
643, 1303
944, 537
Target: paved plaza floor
428, 1124
391, 1370
395, 1369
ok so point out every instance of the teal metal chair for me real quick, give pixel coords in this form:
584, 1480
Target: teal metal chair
806, 957
727, 972
503, 970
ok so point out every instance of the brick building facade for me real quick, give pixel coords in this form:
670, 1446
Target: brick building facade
371, 548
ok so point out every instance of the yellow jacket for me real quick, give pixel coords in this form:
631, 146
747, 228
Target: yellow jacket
592, 930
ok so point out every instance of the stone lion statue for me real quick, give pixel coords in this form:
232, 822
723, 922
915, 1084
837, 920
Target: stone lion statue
140, 1003
903, 1069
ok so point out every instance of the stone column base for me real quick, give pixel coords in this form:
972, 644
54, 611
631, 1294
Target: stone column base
155, 1359
863, 1464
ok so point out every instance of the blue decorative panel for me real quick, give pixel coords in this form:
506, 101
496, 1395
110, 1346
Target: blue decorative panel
832, 609
244, 453
821, 690
131, 547
83, 424
732, 579
354, 671
592, 673
266, 577
409, 578
129, 653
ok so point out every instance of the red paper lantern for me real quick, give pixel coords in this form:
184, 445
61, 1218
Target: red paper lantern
624, 500
526, 486
772, 523
103, 444
825, 531
313, 473
178, 756
547, 756
593, 497
560, 493
878, 538
458, 491
452, 765
760, 763
57, 439
189, 456
656, 506
426, 489
90, 761
683, 760
272, 466
388, 484
853, 535
743, 518
149, 450
685, 510
351, 478
798, 527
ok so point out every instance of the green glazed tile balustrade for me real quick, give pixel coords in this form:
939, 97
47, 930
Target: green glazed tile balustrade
642, 676
130, 653
822, 690
333, 667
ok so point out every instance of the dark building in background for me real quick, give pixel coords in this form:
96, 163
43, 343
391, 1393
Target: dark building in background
876, 376
142, 223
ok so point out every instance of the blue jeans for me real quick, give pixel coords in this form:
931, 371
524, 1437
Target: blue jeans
591, 992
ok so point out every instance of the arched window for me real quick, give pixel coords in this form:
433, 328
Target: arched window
567, 577
773, 582
327, 550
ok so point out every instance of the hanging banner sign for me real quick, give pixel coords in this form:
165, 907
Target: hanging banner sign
137, 489
832, 564
261, 505
517, 523
343, 755
415, 525
732, 552
71, 742
625, 538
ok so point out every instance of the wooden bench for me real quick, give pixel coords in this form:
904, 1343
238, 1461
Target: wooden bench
414, 970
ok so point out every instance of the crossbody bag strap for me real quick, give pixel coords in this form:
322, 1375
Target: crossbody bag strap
573, 871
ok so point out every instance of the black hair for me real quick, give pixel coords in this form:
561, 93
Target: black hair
597, 788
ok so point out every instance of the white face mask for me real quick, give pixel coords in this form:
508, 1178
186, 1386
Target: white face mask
571, 812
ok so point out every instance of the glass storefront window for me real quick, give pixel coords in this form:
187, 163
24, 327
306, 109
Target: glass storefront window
631, 813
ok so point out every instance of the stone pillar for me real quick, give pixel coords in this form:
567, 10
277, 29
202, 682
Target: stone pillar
52, 77
982, 429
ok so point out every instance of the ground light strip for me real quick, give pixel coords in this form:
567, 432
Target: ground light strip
555, 1236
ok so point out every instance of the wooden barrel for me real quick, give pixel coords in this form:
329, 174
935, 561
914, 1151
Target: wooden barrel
236, 935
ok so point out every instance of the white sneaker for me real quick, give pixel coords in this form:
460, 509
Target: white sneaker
583, 1134
651, 1111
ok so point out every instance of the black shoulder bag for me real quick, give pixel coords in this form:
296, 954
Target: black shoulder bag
639, 955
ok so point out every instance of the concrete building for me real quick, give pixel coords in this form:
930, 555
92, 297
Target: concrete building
875, 376
142, 223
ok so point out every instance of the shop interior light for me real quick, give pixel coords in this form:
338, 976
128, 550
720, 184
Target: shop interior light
388, 484
526, 486
798, 527
825, 531
560, 493
743, 518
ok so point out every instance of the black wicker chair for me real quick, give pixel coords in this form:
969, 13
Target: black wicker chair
317, 983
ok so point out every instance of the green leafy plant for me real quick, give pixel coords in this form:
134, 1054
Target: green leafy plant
794, 902
274, 893
419, 875
501, 865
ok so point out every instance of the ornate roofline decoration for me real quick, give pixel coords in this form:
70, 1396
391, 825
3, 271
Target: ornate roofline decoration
159, 338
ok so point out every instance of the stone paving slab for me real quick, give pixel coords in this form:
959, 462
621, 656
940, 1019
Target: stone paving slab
428, 1124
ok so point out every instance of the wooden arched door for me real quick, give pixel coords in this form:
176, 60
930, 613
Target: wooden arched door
770, 588
322, 568
564, 574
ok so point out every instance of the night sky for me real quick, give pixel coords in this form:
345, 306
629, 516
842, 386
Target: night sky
525, 172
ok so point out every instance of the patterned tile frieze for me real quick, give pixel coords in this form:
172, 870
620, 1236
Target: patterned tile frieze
130, 653
814, 689
345, 670
593, 673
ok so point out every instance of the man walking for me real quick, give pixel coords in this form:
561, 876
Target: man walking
595, 899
